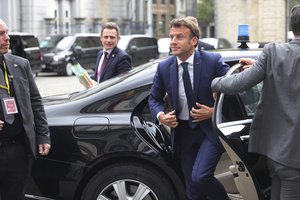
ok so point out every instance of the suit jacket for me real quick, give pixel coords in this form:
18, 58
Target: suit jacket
118, 62
207, 66
29, 101
276, 124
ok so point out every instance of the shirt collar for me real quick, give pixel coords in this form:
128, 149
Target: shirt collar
108, 51
190, 60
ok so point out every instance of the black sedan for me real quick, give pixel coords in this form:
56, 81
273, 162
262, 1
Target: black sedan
105, 145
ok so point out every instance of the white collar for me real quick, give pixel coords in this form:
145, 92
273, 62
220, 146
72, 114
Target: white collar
190, 60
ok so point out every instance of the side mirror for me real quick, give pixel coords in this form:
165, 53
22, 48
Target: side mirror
77, 49
133, 48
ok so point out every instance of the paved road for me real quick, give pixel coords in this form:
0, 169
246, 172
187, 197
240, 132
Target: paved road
51, 84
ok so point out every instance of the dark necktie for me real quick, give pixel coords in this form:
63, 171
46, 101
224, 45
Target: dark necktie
104, 62
188, 89
8, 118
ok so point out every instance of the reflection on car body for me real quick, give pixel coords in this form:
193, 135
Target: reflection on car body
105, 144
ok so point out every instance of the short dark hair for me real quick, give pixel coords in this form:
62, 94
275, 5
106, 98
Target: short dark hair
189, 22
111, 25
295, 20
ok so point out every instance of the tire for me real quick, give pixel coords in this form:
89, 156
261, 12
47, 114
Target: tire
128, 181
68, 69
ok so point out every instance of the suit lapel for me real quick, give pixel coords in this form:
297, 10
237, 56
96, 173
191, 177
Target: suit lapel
174, 82
198, 64
112, 56
13, 69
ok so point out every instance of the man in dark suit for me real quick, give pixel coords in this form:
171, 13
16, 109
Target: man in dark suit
275, 129
186, 77
111, 60
24, 129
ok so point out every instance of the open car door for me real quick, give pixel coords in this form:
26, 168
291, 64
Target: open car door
155, 136
232, 120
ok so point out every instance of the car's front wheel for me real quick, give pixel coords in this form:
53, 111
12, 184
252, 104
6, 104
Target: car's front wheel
129, 181
68, 69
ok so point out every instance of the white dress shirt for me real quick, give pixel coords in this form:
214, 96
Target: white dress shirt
183, 107
100, 63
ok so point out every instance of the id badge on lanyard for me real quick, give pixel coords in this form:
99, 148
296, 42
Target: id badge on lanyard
9, 104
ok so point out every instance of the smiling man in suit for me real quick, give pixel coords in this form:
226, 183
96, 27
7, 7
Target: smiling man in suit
24, 129
111, 61
186, 78
276, 124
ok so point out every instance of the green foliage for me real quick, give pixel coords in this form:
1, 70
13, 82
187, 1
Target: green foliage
206, 12
294, 2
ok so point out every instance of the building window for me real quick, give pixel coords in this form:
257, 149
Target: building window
171, 1
154, 18
163, 2
67, 14
154, 1
163, 23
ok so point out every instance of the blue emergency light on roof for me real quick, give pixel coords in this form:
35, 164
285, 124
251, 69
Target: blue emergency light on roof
243, 35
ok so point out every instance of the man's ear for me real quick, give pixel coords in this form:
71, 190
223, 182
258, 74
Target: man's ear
194, 40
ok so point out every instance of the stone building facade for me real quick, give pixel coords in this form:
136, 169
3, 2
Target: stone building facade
267, 19
46, 17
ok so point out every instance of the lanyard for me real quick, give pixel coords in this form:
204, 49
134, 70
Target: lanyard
7, 87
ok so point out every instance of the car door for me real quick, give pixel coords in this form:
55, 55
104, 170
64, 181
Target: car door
157, 137
232, 120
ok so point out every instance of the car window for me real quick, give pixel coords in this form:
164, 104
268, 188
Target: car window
133, 42
122, 102
95, 42
250, 98
151, 42
30, 41
81, 42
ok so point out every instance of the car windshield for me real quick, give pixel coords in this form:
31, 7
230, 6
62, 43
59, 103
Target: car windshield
65, 43
30, 41
50, 41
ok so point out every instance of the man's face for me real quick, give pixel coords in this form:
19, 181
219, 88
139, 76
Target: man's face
109, 38
4, 38
182, 44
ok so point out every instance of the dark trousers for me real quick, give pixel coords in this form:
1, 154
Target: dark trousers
285, 181
198, 158
14, 170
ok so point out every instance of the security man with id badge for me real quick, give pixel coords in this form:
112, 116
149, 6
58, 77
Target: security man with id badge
23, 125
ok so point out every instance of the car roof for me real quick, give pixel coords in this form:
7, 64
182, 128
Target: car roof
21, 34
235, 54
86, 34
136, 36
